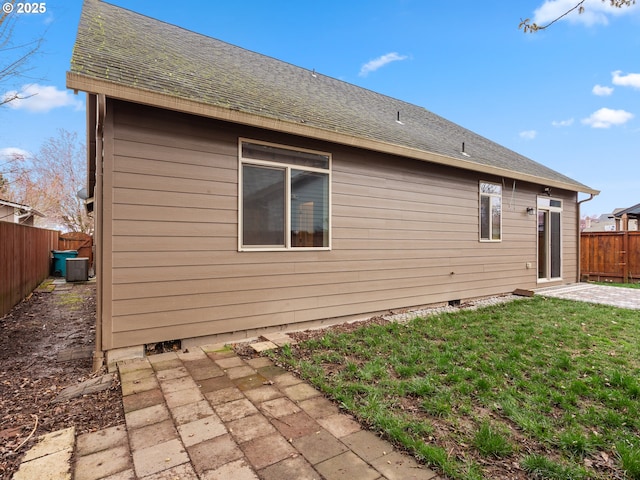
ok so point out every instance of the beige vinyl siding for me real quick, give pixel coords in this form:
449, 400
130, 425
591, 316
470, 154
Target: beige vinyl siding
404, 233
569, 235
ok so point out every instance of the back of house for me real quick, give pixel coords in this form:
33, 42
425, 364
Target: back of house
236, 194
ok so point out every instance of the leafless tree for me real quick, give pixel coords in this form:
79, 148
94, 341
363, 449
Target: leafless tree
50, 180
12, 167
529, 27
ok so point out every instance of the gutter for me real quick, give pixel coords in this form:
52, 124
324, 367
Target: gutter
578, 270
101, 111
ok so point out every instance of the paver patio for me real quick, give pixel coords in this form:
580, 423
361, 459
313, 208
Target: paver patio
209, 414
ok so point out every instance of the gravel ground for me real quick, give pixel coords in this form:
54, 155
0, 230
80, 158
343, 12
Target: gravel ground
470, 305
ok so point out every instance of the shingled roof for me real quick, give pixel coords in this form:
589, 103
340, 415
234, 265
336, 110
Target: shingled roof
632, 212
125, 55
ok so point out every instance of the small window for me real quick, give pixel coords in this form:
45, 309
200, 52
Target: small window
284, 200
490, 212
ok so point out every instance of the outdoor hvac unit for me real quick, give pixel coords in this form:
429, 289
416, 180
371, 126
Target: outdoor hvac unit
77, 269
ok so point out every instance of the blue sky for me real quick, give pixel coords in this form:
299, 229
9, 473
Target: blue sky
567, 97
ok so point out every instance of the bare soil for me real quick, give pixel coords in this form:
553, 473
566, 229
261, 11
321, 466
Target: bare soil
34, 337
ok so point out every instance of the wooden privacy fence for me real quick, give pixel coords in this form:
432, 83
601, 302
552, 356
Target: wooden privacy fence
612, 256
25, 254
82, 242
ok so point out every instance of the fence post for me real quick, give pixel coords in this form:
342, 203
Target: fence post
625, 257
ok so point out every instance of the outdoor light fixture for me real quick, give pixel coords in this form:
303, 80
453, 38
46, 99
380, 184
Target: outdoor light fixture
547, 191
531, 210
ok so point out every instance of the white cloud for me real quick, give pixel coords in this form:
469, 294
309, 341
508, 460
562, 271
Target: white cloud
629, 80
596, 12
602, 91
42, 98
606, 117
9, 153
562, 123
528, 134
379, 62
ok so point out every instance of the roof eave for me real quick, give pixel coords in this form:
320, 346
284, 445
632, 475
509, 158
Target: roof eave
634, 210
79, 82
25, 211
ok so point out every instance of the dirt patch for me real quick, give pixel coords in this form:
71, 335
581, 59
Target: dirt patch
45, 346
349, 327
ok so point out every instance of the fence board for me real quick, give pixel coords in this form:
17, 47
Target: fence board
610, 256
25, 254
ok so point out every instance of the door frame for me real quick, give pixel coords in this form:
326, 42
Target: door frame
545, 252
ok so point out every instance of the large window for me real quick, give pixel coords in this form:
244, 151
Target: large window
284, 200
490, 212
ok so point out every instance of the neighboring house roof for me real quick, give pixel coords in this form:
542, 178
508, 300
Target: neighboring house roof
632, 212
610, 221
25, 210
132, 57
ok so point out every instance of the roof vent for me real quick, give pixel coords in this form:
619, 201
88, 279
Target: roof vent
463, 152
398, 119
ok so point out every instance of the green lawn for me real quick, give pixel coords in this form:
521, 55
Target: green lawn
534, 388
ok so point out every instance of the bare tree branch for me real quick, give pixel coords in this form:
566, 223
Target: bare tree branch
49, 180
528, 27
14, 95
14, 58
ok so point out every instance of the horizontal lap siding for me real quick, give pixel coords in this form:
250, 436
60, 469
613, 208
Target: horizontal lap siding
174, 190
570, 239
430, 212
404, 233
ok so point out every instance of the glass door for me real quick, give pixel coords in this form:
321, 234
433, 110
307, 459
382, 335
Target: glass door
549, 239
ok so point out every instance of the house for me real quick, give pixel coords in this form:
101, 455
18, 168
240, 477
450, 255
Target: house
17, 213
611, 222
599, 223
235, 193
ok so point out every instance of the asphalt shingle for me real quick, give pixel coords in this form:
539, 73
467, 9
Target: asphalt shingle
120, 46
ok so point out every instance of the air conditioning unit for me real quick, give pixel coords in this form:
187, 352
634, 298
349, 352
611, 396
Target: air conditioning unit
77, 269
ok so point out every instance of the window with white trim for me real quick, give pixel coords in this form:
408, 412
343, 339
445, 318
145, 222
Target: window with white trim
490, 212
284, 198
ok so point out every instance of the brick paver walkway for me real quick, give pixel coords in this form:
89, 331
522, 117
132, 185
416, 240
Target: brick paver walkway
588, 292
211, 415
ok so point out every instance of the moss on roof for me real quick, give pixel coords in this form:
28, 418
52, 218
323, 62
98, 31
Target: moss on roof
129, 49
